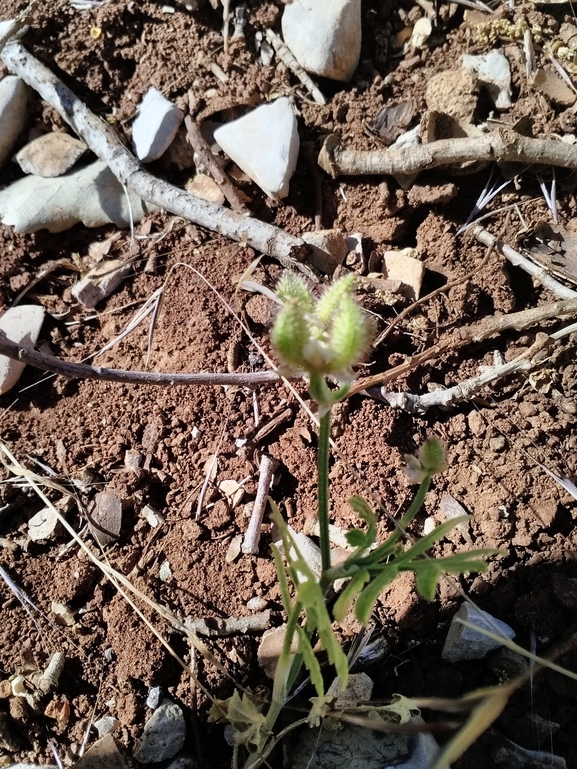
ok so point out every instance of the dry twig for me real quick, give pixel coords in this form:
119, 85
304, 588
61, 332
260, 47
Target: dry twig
252, 536
518, 260
213, 626
504, 145
204, 152
494, 324
286, 56
105, 143
83, 371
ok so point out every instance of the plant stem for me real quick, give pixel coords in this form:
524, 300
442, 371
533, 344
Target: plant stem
323, 490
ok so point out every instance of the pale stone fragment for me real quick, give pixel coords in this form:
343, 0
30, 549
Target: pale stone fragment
22, 325
403, 266
329, 249
494, 73
264, 143
156, 126
43, 524
453, 92
163, 736
100, 282
324, 36
13, 113
50, 155
463, 643
206, 188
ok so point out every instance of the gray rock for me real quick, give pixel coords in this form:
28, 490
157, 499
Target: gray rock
494, 72
156, 126
154, 698
512, 756
423, 750
22, 325
106, 725
163, 736
264, 143
13, 113
106, 519
324, 37
183, 762
463, 643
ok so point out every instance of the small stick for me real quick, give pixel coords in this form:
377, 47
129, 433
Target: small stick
494, 324
518, 260
286, 56
252, 536
83, 371
419, 404
102, 139
204, 152
317, 183
503, 145
214, 626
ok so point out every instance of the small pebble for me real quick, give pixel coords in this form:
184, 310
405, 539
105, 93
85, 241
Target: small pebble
163, 736
155, 697
498, 443
257, 604
106, 725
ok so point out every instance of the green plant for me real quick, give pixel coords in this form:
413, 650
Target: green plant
326, 339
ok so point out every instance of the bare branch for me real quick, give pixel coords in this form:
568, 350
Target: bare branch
83, 371
503, 145
252, 536
102, 139
518, 260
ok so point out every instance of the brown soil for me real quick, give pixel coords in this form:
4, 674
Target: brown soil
82, 430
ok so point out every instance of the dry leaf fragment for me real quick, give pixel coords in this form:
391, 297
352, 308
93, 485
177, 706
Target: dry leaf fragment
553, 87
91, 195
100, 282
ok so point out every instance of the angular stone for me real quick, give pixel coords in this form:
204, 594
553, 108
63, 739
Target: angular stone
100, 282
164, 734
329, 249
13, 113
403, 266
43, 524
463, 643
359, 688
102, 755
50, 155
206, 188
22, 325
494, 73
265, 144
453, 92
156, 126
107, 517
324, 36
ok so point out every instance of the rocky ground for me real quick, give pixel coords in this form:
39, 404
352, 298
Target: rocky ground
151, 448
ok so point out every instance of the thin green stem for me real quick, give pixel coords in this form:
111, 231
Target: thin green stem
323, 490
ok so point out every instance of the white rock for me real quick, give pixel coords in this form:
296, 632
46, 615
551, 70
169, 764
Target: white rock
156, 125
100, 282
494, 72
403, 266
329, 249
106, 725
462, 643
22, 325
265, 144
50, 155
42, 525
164, 734
324, 36
13, 112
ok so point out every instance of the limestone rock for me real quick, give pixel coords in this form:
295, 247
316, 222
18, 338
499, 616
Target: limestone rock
494, 73
102, 755
329, 249
164, 734
13, 112
206, 188
265, 144
156, 126
463, 643
22, 325
324, 36
107, 517
403, 266
50, 155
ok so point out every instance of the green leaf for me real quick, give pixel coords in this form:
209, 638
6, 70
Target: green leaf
364, 511
357, 538
311, 662
281, 574
369, 595
349, 594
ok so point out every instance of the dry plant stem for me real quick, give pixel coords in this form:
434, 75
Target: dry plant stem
105, 143
285, 55
419, 404
204, 152
216, 627
518, 260
503, 145
83, 371
494, 324
252, 536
